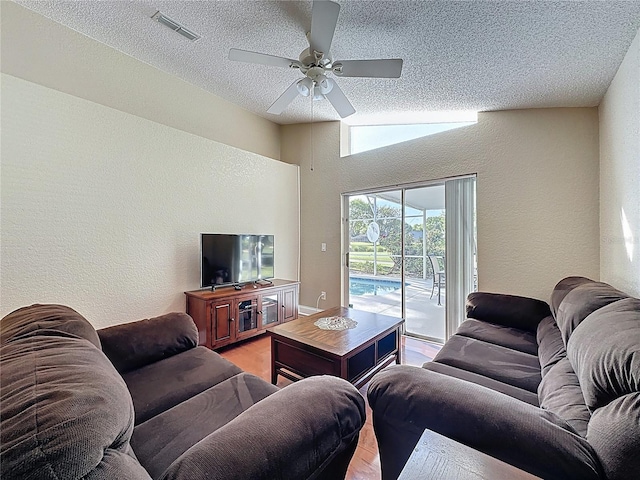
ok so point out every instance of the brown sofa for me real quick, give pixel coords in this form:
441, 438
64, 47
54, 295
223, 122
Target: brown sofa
142, 400
555, 392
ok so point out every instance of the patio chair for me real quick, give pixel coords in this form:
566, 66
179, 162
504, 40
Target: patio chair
438, 275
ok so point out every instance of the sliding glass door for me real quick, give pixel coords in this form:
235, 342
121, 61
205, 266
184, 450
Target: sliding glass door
424, 248
375, 253
397, 262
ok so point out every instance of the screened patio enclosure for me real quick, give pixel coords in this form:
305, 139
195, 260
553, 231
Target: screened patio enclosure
396, 245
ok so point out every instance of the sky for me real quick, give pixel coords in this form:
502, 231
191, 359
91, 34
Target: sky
369, 137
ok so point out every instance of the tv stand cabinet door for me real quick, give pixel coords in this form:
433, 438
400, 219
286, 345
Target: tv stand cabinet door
289, 303
248, 312
222, 323
270, 314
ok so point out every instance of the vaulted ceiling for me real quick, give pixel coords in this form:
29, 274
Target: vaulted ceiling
458, 55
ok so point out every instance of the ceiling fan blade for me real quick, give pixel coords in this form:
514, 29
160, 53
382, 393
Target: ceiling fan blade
285, 99
324, 16
391, 68
260, 58
340, 102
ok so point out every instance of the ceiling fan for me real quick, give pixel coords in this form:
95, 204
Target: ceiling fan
315, 63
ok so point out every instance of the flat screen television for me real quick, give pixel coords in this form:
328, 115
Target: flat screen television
230, 259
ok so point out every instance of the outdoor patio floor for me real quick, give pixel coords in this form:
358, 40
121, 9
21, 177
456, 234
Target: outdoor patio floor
424, 317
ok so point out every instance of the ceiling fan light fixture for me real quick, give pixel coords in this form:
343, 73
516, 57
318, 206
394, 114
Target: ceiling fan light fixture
305, 86
324, 84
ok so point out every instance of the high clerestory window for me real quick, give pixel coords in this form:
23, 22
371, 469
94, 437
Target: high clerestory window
372, 133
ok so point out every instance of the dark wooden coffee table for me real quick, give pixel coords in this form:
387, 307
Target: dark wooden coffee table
300, 349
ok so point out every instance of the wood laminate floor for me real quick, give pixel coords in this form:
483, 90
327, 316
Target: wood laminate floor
254, 356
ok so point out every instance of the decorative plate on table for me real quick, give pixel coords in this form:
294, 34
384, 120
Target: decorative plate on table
335, 323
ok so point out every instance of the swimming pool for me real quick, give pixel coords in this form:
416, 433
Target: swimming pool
372, 286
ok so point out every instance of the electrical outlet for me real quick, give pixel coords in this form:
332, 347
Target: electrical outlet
323, 295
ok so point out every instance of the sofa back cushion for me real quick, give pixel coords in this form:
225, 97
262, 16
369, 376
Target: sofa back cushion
614, 433
47, 319
562, 288
559, 392
551, 348
605, 353
581, 301
509, 310
66, 413
156, 338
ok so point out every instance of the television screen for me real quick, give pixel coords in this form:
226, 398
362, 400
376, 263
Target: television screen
233, 259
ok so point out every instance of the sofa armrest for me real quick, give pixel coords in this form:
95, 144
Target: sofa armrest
306, 430
407, 400
508, 310
133, 345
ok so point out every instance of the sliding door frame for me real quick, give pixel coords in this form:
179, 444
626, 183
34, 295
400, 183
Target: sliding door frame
345, 235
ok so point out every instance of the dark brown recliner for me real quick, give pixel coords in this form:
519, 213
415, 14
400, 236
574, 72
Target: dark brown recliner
169, 409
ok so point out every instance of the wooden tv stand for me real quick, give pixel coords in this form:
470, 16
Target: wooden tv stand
226, 315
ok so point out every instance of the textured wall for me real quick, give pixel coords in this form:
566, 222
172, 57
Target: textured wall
40, 50
101, 210
537, 194
620, 176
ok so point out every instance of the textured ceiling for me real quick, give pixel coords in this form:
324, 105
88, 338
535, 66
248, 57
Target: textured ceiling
458, 55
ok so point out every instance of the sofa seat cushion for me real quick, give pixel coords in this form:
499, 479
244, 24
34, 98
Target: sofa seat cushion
298, 432
515, 392
161, 385
513, 338
494, 361
163, 438
560, 393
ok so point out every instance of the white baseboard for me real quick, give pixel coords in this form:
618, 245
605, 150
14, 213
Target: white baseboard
303, 310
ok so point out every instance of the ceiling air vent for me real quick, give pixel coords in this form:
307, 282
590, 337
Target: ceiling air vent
175, 26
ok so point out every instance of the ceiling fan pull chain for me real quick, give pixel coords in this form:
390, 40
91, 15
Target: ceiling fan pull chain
311, 130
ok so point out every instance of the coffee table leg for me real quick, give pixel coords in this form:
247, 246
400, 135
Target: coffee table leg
274, 373
399, 354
